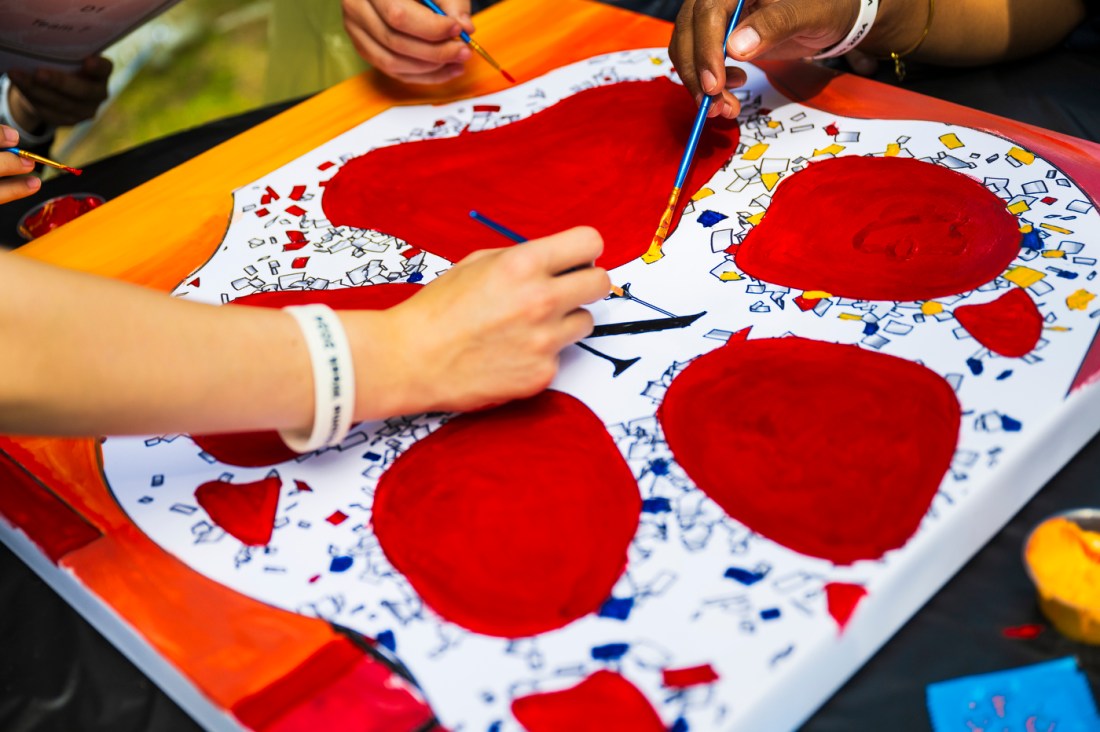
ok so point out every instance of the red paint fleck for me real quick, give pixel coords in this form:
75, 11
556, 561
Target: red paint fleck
1023, 632
261, 212
258, 449
800, 424
325, 166
575, 160
1010, 326
832, 130
604, 702
244, 510
1049, 200
269, 196
805, 303
881, 229
194, 282
302, 486
297, 192
296, 210
439, 123
999, 705
314, 578
486, 107
296, 236
411, 252
294, 246
299, 262
682, 678
842, 599
337, 518
511, 521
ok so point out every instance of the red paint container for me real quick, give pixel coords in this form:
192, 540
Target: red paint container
58, 211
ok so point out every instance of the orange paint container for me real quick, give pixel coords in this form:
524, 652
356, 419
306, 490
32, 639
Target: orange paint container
1062, 556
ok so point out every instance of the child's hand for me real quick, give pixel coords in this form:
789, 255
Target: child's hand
22, 185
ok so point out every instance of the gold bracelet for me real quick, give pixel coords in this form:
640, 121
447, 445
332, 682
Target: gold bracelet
899, 65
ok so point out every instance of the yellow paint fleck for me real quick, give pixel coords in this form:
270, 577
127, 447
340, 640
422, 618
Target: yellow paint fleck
1019, 207
1056, 229
1057, 328
931, 307
892, 150
754, 152
730, 276
816, 295
951, 141
769, 180
1080, 300
656, 61
755, 218
850, 316
773, 124
1021, 155
703, 193
1024, 276
833, 149
1027, 229
1054, 254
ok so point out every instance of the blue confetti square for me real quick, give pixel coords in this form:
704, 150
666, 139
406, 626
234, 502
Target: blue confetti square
1046, 696
710, 218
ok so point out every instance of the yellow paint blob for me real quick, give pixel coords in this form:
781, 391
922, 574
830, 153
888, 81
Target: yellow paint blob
1080, 300
1064, 561
931, 308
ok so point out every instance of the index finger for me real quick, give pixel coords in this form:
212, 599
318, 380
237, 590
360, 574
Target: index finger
418, 20
576, 247
709, 25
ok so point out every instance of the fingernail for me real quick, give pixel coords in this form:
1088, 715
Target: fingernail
743, 42
464, 54
27, 163
33, 184
709, 81
10, 137
465, 17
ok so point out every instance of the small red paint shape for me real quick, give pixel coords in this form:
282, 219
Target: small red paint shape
269, 196
302, 486
296, 210
511, 79
805, 303
511, 521
314, 578
1009, 326
299, 262
683, 678
1023, 632
337, 518
411, 252
1049, 200
261, 212
486, 108
325, 166
294, 246
604, 702
296, 237
576, 161
842, 599
297, 192
881, 229
245, 511
832, 130
194, 282
799, 425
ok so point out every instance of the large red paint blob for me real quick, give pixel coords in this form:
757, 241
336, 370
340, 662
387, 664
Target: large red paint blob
577, 162
261, 449
244, 510
881, 229
512, 521
1010, 326
829, 450
604, 702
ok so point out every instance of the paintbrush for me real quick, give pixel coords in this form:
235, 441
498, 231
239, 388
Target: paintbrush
40, 159
472, 43
520, 239
654, 252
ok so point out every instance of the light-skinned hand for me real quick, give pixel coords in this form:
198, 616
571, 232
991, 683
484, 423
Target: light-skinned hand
14, 181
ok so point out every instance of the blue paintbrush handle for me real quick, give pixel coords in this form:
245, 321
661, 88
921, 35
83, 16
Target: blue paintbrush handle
435, 8
701, 115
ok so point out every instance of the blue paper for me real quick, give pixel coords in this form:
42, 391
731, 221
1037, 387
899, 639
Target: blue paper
1046, 697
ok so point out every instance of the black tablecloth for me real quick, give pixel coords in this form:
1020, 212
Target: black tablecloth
57, 673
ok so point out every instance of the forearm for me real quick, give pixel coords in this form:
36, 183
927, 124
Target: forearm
84, 355
972, 32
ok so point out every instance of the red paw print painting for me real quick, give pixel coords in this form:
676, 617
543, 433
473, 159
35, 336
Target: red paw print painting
858, 333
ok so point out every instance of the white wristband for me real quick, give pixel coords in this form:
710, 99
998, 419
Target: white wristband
333, 379
7, 117
868, 11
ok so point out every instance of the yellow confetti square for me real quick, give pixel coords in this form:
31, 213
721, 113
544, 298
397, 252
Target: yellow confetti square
703, 193
773, 124
755, 218
1080, 300
1054, 254
1027, 229
816, 295
850, 316
1024, 276
769, 180
892, 150
754, 152
951, 141
1019, 207
730, 276
833, 149
1021, 155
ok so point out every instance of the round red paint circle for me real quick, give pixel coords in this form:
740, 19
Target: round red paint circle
512, 521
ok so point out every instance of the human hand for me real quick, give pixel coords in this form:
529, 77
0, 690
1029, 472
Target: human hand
774, 29
59, 98
406, 40
487, 331
22, 185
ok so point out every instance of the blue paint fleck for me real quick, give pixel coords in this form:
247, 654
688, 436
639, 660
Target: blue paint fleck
495, 726
975, 366
870, 329
340, 564
617, 607
610, 652
770, 614
680, 725
659, 466
744, 576
1004, 375
1066, 275
656, 505
387, 639
1031, 240
1008, 424
415, 277
710, 218
372, 456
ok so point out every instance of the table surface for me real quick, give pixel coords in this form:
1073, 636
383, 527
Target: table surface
58, 673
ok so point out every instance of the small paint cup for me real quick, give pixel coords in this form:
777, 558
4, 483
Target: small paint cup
57, 211
1062, 557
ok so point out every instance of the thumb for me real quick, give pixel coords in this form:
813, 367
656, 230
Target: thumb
460, 11
810, 25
